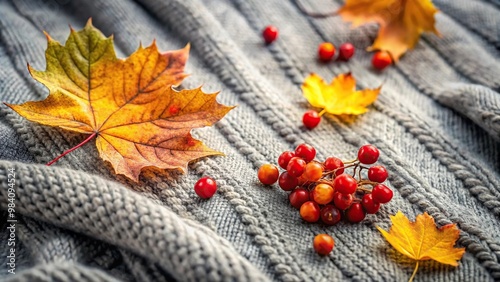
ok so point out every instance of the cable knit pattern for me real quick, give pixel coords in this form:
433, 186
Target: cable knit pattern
436, 122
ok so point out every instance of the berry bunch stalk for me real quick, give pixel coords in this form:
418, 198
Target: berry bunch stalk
333, 189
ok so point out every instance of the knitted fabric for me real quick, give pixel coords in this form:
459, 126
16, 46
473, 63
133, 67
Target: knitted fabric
436, 123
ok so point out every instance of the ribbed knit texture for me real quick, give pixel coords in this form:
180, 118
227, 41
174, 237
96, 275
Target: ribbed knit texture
436, 123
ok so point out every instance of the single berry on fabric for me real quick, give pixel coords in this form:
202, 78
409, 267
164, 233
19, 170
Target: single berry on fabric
270, 33
342, 201
382, 194
205, 187
326, 51
287, 182
377, 173
333, 163
346, 51
322, 194
330, 215
381, 60
368, 154
296, 166
345, 184
369, 204
298, 197
309, 211
311, 119
306, 152
313, 172
284, 158
268, 174
355, 213
323, 244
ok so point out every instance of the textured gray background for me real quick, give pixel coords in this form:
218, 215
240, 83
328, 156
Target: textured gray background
436, 122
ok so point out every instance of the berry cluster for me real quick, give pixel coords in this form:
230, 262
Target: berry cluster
324, 190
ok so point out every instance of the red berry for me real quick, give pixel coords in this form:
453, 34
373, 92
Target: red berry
311, 119
345, 184
326, 51
268, 174
346, 51
368, 154
270, 33
323, 244
306, 152
309, 211
287, 182
377, 173
382, 194
284, 158
322, 194
205, 187
342, 201
381, 60
296, 166
369, 204
298, 197
330, 215
333, 163
355, 213
313, 171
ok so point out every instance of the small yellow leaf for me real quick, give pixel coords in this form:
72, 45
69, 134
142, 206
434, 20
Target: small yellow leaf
422, 240
401, 21
340, 96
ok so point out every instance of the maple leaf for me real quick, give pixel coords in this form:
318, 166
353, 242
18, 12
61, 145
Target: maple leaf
401, 21
338, 97
422, 240
128, 104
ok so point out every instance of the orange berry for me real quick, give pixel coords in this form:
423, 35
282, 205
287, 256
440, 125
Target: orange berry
326, 51
309, 211
313, 171
323, 194
323, 244
268, 174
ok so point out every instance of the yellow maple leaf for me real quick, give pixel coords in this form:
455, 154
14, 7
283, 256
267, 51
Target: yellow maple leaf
401, 21
340, 96
422, 240
127, 104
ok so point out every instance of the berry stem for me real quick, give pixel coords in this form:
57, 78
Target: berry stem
414, 272
322, 112
363, 182
351, 161
312, 14
72, 149
335, 170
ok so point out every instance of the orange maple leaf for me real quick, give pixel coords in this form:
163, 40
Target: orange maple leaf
401, 21
340, 96
128, 104
422, 240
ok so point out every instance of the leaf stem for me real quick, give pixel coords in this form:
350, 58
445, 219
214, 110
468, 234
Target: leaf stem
72, 149
414, 272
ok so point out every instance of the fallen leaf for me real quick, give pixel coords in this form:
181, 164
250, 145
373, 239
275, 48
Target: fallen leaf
128, 104
340, 96
422, 240
401, 21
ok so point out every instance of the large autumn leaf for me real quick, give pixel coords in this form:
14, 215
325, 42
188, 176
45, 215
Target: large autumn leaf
401, 21
422, 240
128, 104
338, 97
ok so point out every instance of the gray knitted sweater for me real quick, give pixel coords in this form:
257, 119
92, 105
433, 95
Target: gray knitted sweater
436, 122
